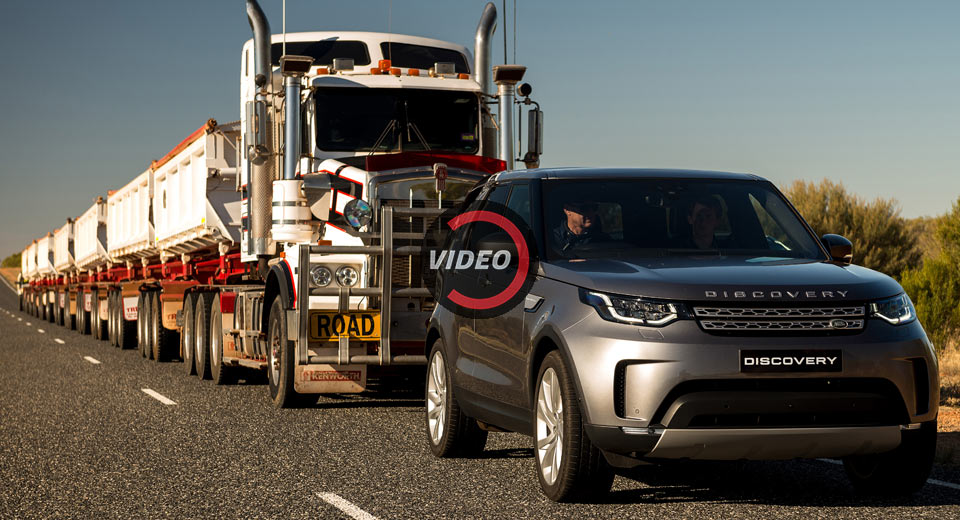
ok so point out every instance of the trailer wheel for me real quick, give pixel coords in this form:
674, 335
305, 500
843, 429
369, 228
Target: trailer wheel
280, 361
126, 330
220, 373
81, 315
117, 318
145, 347
164, 340
187, 336
95, 328
111, 323
201, 338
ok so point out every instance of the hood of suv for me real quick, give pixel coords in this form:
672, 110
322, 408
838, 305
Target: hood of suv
740, 279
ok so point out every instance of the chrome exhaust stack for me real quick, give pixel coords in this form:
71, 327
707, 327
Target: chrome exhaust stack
482, 59
260, 151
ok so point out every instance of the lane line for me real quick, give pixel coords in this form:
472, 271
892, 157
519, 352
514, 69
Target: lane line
157, 396
41, 331
60, 341
90, 359
28, 324
346, 506
933, 481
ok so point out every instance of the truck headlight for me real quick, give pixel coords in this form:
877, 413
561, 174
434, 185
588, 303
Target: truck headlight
630, 309
896, 311
320, 276
358, 213
347, 276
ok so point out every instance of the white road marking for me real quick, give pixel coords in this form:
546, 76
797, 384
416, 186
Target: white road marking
19, 319
41, 331
28, 324
157, 396
346, 506
60, 341
933, 481
90, 359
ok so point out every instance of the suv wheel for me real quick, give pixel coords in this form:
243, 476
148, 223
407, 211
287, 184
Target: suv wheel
450, 432
902, 471
569, 466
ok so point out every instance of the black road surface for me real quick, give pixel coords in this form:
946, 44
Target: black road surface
79, 439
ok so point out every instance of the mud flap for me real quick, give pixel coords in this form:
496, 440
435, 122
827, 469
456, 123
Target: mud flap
130, 308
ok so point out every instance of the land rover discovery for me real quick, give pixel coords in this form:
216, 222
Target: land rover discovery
682, 315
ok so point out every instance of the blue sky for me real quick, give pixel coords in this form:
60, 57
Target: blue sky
867, 93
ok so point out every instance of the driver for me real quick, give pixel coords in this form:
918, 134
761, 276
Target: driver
580, 226
704, 216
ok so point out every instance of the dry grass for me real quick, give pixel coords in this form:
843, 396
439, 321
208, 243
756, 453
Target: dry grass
950, 375
10, 273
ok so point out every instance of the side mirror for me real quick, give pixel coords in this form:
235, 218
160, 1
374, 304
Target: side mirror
534, 138
841, 250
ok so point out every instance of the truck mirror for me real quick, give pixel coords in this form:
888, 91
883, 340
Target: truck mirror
534, 138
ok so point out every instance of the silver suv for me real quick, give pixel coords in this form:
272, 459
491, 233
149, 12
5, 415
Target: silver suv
683, 315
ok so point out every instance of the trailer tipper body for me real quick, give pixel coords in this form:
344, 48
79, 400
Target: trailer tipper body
288, 241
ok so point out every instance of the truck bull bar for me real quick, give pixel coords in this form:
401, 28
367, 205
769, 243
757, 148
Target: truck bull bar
384, 291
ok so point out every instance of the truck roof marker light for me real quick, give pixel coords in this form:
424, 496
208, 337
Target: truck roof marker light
463, 76
375, 71
395, 71
384, 65
322, 70
413, 72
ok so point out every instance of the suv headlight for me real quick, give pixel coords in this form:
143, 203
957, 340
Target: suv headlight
630, 309
896, 311
320, 276
347, 276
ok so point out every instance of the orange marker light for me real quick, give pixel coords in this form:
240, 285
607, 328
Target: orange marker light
375, 71
395, 71
323, 70
384, 64
413, 72
463, 76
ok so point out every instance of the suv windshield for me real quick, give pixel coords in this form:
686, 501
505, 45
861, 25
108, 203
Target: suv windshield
591, 218
390, 120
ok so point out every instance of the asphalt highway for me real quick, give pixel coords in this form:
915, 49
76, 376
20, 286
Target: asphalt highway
89, 431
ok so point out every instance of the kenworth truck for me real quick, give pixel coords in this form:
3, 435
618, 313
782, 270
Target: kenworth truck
288, 241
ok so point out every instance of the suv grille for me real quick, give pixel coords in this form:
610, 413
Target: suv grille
778, 319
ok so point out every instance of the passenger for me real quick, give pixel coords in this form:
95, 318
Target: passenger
704, 216
580, 226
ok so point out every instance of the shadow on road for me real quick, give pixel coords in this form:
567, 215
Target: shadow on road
804, 483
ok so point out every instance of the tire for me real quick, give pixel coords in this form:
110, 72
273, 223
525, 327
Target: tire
70, 318
280, 361
569, 467
82, 315
111, 318
187, 338
220, 373
126, 330
141, 320
146, 349
165, 341
450, 433
902, 471
96, 326
201, 340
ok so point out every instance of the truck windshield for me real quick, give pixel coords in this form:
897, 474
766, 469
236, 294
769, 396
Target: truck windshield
590, 218
390, 120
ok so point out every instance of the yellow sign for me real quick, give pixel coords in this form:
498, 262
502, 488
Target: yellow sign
329, 326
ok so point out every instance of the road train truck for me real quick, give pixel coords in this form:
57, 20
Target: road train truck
289, 241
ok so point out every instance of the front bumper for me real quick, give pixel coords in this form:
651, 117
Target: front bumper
745, 443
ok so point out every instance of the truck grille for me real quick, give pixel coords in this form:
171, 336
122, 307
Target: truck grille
780, 319
405, 270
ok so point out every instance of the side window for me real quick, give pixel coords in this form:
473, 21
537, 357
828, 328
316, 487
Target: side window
519, 202
481, 230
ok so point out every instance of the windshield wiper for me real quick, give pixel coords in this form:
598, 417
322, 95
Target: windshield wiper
413, 126
383, 135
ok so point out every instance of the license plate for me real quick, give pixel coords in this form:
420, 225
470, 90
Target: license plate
791, 360
327, 326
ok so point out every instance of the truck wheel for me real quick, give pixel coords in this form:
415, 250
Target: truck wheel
141, 323
569, 466
117, 318
165, 340
71, 318
220, 373
449, 431
201, 340
81, 315
187, 338
126, 331
111, 319
902, 471
95, 316
146, 347
280, 361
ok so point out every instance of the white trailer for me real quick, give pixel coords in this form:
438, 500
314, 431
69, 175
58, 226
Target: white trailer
130, 231
90, 237
63, 263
